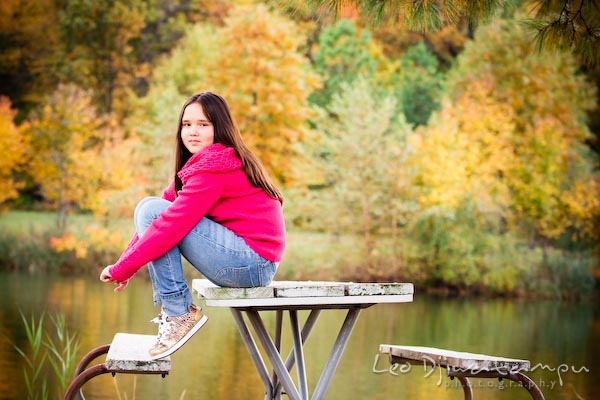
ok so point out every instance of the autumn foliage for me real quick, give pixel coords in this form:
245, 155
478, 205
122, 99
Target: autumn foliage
465, 164
14, 146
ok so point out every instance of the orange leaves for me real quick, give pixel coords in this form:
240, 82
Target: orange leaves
68, 242
13, 146
95, 239
260, 71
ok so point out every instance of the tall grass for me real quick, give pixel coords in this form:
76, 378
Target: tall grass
50, 357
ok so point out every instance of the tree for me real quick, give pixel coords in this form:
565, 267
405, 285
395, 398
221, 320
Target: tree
266, 81
558, 24
460, 160
342, 55
15, 147
466, 151
548, 99
568, 25
254, 62
98, 52
29, 45
421, 85
345, 52
360, 152
69, 157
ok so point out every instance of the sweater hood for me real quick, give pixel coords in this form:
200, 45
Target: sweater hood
214, 158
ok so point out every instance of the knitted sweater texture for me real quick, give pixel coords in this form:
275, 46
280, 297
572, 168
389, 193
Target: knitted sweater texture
215, 186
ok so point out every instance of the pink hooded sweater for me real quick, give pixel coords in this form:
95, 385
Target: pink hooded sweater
215, 186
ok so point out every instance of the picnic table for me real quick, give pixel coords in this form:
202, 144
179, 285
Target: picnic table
291, 297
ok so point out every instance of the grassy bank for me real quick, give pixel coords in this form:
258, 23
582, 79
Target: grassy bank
29, 242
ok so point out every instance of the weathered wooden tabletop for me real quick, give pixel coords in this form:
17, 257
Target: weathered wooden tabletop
286, 294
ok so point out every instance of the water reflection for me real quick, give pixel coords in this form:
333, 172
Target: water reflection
215, 363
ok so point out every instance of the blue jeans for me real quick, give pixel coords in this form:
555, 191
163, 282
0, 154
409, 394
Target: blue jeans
219, 254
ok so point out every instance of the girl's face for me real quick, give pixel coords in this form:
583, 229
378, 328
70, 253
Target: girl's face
196, 130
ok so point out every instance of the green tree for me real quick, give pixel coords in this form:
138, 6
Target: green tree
422, 84
362, 185
341, 56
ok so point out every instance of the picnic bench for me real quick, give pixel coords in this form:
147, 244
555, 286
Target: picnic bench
463, 366
127, 354
292, 296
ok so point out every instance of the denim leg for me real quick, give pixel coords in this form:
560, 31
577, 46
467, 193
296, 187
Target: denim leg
224, 258
215, 251
166, 272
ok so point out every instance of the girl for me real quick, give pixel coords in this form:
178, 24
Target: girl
221, 212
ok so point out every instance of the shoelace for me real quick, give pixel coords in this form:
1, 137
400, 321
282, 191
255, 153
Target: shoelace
163, 327
168, 327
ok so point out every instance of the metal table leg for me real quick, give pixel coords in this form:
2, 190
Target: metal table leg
528, 384
254, 352
299, 354
336, 353
273, 354
85, 361
306, 330
281, 370
83, 377
274, 380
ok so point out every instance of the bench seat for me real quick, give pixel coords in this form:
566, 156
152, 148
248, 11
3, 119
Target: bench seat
454, 360
463, 365
126, 354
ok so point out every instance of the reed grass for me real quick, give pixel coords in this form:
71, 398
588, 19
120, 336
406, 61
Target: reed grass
50, 356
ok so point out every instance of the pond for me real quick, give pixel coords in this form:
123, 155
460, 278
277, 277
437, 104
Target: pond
562, 341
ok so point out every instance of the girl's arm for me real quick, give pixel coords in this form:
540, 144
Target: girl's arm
198, 196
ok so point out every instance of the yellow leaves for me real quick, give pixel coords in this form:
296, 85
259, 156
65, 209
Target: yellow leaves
14, 147
259, 70
464, 152
79, 158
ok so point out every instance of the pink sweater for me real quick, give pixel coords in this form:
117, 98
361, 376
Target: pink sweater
214, 186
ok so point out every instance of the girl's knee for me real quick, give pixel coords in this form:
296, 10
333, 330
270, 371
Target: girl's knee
148, 209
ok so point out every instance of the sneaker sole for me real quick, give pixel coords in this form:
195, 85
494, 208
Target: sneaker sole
183, 340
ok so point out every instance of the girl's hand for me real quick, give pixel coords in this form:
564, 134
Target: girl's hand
106, 278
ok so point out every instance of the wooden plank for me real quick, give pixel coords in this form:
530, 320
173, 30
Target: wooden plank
454, 359
286, 303
299, 289
129, 353
373, 289
209, 290
288, 289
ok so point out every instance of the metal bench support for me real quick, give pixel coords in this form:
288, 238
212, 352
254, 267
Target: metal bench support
466, 365
127, 354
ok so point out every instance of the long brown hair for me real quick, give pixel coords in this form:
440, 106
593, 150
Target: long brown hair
228, 134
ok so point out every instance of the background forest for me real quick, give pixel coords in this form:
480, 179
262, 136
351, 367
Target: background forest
462, 159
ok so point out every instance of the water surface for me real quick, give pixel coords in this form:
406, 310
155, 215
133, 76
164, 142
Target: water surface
561, 339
